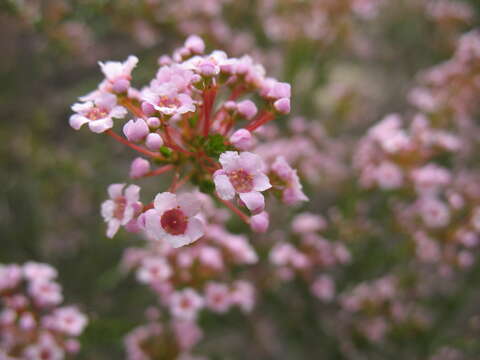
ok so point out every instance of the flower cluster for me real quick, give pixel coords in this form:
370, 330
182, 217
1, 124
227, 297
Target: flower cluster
190, 280
309, 255
184, 121
33, 325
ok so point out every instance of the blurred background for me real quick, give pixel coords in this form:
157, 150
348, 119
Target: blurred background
350, 63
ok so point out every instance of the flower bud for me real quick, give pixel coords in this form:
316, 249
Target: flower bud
195, 44
153, 122
282, 105
148, 109
154, 141
208, 68
280, 90
121, 86
259, 223
242, 139
247, 109
136, 130
139, 167
230, 105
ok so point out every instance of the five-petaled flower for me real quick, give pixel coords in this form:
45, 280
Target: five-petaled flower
173, 219
98, 112
121, 207
243, 174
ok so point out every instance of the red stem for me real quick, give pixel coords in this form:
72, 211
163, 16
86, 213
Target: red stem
132, 145
260, 120
208, 100
159, 171
237, 211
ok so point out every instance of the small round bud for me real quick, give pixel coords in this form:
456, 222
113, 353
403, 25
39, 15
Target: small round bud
153, 122
195, 44
247, 109
259, 223
139, 167
121, 86
154, 141
242, 139
282, 105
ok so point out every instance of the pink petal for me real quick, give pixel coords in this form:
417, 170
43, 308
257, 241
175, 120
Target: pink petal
100, 126
76, 121
223, 187
115, 190
250, 162
165, 201
112, 228
189, 204
261, 182
132, 193
229, 160
254, 201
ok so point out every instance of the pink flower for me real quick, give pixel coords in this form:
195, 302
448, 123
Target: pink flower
153, 269
166, 100
243, 295
121, 207
185, 304
10, 276
98, 114
68, 320
195, 44
187, 333
34, 271
118, 74
307, 222
217, 297
173, 219
324, 288
45, 293
289, 182
242, 174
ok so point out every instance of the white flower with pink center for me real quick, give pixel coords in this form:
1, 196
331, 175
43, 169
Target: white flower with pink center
218, 297
45, 293
185, 304
287, 181
121, 207
242, 174
46, 349
153, 270
68, 320
167, 100
98, 113
174, 219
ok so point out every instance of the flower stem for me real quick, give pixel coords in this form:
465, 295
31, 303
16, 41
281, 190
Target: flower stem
236, 210
132, 145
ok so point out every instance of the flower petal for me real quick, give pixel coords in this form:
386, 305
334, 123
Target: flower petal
99, 126
261, 182
76, 121
195, 229
132, 193
254, 201
250, 162
115, 190
165, 201
224, 187
153, 226
107, 209
229, 160
189, 204
112, 228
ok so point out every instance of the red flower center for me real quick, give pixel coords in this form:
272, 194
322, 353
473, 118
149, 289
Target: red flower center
174, 222
241, 180
120, 204
97, 113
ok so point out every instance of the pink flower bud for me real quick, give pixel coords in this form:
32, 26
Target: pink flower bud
280, 90
136, 130
164, 60
242, 139
121, 86
208, 68
139, 167
72, 346
259, 223
195, 44
196, 78
247, 109
282, 105
154, 141
153, 122
230, 105
148, 109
